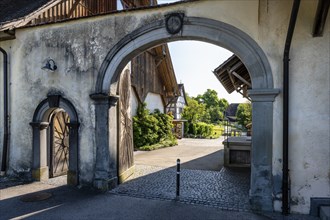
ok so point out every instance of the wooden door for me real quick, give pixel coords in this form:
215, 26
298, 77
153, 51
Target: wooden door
59, 153
125, 148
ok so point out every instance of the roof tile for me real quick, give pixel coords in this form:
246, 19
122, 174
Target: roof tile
14, 9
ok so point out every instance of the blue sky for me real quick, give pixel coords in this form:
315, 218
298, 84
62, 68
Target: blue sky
193, 63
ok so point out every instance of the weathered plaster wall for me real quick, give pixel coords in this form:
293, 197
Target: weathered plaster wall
274, 20
309, 101
310, 112
79, 47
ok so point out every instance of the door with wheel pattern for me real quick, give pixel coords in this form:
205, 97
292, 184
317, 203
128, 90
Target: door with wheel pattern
59, 152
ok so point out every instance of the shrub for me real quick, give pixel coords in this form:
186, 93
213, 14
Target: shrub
200, 129
151, 129
165, 125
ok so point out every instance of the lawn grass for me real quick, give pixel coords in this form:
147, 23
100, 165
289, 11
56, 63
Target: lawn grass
216, 132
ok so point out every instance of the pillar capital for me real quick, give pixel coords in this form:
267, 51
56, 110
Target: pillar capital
263, 95
35, 124
40, 125
43, 125
104, 98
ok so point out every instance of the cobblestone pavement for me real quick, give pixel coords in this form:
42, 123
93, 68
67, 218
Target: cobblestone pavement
227, 189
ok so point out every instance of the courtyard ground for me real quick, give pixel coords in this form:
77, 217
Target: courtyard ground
203, 179
149, 194
196, 154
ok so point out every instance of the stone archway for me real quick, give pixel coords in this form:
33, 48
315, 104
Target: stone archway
192, 28
40, 123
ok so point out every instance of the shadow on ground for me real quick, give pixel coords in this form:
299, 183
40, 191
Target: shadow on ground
212, 161
71, 203
225, 188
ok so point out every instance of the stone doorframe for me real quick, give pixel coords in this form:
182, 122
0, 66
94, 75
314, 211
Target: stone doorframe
218, 33
40, 123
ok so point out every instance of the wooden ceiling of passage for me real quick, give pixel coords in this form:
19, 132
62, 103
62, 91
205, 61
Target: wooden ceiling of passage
234, 76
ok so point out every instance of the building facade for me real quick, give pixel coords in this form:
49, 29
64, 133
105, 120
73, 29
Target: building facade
90, 54
175, 107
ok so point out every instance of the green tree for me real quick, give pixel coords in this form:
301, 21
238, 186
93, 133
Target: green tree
209, 98
201, 110
223, 104
214, 106
215, 114
244, 114
194, 111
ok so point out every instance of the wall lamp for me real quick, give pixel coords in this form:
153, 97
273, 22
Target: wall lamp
50, 65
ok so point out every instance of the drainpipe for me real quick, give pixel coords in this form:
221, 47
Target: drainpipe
5, 113
286, 59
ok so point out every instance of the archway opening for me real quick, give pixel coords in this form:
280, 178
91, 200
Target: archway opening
55, 141
217, 33
149, 92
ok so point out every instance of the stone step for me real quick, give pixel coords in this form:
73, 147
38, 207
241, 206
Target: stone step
325, 212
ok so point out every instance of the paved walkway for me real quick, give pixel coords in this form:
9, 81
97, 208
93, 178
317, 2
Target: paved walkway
204, 194
70, 203
227, 189
203, 178
197, 154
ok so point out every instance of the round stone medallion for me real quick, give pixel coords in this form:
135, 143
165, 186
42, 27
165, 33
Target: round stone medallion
174, 23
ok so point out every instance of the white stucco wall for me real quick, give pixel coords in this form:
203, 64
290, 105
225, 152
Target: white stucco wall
79, 47
154, 101
310, 111
309, 100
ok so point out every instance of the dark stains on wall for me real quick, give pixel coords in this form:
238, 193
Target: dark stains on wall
277, 187
123, 24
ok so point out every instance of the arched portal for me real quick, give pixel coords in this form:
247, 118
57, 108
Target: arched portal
192, 28
55, 139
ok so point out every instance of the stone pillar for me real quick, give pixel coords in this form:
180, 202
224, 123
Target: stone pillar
104, 177
40, 168
262, 146
35, 144
72, 176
